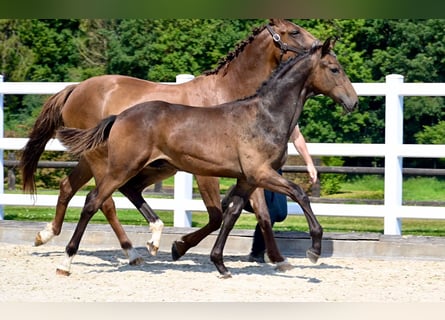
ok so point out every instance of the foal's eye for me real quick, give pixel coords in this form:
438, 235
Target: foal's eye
335, 70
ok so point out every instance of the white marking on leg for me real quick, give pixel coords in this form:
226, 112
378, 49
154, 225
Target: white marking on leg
65, 266
134, 257
47, 233
156, 229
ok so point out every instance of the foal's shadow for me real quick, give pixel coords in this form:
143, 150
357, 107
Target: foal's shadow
193, 262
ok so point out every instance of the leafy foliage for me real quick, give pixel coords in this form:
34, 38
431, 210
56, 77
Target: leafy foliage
159, 49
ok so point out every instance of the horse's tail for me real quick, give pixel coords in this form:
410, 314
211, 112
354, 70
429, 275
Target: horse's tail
78, 141
49, 120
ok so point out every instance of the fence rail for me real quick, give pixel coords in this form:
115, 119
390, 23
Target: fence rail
393, 150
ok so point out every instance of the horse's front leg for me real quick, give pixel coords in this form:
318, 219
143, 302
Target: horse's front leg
273, 181
315, 229
259, 206
209, 189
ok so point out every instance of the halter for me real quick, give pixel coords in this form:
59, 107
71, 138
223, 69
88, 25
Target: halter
284, 47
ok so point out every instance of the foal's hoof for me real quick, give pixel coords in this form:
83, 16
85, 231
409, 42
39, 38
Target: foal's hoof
178, 249
175, 253
61, 272
283, 266
152, 248
312, 256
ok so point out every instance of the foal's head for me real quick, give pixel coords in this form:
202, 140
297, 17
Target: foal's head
290, 38
329, 78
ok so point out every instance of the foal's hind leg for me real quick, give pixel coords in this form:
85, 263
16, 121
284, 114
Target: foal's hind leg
209, 189
92, 204
80, 175
236, 204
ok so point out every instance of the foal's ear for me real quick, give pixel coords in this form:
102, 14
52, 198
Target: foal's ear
328, 45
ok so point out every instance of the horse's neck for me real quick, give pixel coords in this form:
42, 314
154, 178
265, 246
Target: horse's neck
242, 76
284, 97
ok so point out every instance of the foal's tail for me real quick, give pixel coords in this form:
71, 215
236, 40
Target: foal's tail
49, 120
78, 141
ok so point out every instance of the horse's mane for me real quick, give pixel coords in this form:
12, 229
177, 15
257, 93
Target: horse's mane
233, 54
283, 67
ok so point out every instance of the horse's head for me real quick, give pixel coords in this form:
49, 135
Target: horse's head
329, 78
289, 38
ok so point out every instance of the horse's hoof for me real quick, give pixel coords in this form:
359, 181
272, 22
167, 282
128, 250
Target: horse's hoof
225, 275
175, 253
38, 240
137, 262
312, 256
61, 272
152, 248
283, 266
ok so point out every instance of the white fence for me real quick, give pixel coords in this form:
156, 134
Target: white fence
393, 150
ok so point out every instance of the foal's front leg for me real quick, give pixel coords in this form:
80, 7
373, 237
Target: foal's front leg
276, 183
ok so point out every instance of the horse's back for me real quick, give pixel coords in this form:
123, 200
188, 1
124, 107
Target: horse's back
101, 96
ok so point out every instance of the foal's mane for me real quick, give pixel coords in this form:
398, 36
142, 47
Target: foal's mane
282, 68
233, 54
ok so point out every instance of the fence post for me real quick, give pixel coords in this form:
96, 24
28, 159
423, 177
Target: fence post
2, 168
183, 184
393, 162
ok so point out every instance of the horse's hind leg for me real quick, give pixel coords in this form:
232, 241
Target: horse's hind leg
133, 193
109, 210
80, 175
209, 189
236, 204
92, 205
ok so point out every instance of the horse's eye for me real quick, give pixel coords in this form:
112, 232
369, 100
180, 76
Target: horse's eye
335, 70
295, 33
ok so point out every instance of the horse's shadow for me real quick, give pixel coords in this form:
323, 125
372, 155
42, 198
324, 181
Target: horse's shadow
191, 262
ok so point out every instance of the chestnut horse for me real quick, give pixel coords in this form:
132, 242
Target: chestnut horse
85, 104
245, 139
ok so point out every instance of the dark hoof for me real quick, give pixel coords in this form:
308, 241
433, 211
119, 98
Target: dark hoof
175, 253
61, 272
312, 256
178, 249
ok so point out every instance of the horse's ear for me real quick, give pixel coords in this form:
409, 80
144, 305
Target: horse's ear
328, 45
274, 22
